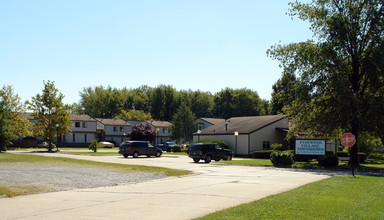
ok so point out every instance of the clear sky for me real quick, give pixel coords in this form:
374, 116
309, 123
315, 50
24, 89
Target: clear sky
203, 45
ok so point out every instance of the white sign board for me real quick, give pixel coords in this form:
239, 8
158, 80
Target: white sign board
310, 147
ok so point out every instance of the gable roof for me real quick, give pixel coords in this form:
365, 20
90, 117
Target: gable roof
107, 121
159, 123
82, 118
243, 125
213, 121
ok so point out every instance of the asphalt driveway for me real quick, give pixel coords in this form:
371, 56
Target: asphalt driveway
213, 187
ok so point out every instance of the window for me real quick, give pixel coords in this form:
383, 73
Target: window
85, 125
77, 124
266, 144
114, 129
164, 130
121, 129
74, 138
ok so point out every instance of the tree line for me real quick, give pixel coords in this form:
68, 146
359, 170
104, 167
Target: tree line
335, 82
162, 102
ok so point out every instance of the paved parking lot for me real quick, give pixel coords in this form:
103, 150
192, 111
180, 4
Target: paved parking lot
213, 187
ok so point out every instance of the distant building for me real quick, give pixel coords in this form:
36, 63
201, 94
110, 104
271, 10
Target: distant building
113, 130
204, 123
84, 130
253, 133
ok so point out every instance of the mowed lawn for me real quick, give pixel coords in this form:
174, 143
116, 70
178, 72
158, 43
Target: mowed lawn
339, 197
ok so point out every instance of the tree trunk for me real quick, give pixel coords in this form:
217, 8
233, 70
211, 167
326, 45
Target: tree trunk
355, 149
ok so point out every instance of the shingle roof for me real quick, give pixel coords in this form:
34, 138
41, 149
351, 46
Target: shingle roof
213, 121
243, 125
107, 121
159, 123
82, 118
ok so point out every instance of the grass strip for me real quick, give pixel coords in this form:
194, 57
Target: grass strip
9, 157
91, 153
339, 197
12, 191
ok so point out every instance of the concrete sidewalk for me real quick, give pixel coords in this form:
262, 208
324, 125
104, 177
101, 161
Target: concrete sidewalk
215, 187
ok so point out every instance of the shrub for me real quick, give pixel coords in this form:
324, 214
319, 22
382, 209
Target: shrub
328, 160
262, 154
176, 148
282, 158
276, 146
93, 145
213, 140
303, 158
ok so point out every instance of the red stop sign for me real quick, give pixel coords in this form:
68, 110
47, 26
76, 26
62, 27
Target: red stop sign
348, 140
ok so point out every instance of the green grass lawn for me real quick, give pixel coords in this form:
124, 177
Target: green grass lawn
340, 197
11, 191
371, 164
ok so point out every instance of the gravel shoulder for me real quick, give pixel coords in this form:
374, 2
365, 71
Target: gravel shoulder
55, 177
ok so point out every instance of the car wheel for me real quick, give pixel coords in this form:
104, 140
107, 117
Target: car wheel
217, 159
136, 154
148, 155
196, 160
228, 157
208, 159
125, 155
158, 154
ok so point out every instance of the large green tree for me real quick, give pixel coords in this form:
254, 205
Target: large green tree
283, 92
163, 102
236, 103
202, 103
6, 130
49, 111
134, 115
13, 104
340, 72
184, 123
100, 102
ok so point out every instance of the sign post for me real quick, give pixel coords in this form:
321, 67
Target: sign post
348, 140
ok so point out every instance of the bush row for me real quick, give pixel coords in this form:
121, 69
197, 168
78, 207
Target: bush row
287, 158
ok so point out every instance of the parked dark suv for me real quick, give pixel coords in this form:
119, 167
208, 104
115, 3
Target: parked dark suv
167, 146
208, 152
136, 148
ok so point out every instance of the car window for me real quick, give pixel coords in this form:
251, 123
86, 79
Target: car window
208, 147
195, 147
218, 147
150, 145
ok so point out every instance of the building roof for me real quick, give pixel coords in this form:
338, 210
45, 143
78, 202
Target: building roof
243, 125
159, 123
82, 118
106, 121
213, 121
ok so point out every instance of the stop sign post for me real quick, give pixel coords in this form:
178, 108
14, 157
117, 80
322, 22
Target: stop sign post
348, 140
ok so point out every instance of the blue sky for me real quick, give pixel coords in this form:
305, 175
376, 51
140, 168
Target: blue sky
203, 45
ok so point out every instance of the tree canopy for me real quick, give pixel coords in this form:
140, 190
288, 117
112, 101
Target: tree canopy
340, 73
142, 132
49, 111
184, 123
163, 101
